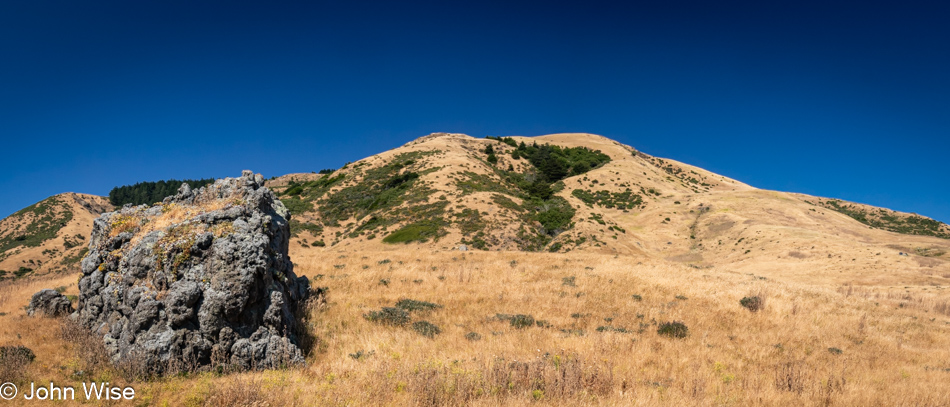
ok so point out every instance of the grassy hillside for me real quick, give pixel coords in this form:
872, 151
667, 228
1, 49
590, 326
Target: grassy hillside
48, 236
909, 224
404, 197
512, 328
581, 192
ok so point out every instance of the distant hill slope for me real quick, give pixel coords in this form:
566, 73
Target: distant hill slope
443, 191
48, 236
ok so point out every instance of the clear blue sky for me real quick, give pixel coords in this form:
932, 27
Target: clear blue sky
847, 100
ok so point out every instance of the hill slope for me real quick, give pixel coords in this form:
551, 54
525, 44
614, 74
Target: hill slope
442, 191
49, 235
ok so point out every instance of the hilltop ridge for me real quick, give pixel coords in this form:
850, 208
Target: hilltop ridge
632, 204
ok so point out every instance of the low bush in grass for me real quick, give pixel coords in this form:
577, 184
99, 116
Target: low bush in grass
674, 329
414, 232
519, 321
389, 316
753, 303
426, 328
415, 305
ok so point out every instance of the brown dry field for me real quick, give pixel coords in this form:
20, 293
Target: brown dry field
894, 343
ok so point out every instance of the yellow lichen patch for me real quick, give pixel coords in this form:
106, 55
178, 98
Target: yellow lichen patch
175, 213
124, 223
222, 229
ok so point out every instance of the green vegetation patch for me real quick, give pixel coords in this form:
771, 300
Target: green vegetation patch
890, 221
415, 305
473, 182
753, 303
522, 321
296, 205
43, 220
381, 189
555, 163
297, 227
621, 200
389, 316
554, 214
416, 232
426, 328
673, 329
70, 260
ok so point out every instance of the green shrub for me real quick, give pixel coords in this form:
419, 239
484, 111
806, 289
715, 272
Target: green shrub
389, 316
569, 281
414, 305
673, 329
22, 271
753, 303
293, 190
8, 353
507, 140
473, 336
619, 200
835, 351
555, 215
426, 329
361, 354
296, 205
554, 163
418, 231
637, 297
890, 221
519, 321
612, 329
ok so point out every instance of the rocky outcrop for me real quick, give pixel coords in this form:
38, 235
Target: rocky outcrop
49, 303
204, 278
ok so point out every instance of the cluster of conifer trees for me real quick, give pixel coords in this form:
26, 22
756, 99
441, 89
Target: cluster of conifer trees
151, 192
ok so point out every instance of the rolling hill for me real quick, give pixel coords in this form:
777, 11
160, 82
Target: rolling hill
48, 236
442, 192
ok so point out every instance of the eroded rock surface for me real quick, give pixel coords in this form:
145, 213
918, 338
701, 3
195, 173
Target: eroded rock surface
204, 278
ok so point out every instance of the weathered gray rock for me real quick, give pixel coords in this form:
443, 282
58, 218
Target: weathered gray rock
204, 278
49, 303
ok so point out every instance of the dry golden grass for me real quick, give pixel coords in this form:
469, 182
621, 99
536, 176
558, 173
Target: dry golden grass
894, 348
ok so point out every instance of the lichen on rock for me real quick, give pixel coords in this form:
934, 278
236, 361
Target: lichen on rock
203, 278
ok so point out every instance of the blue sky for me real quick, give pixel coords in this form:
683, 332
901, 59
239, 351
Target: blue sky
846, 100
